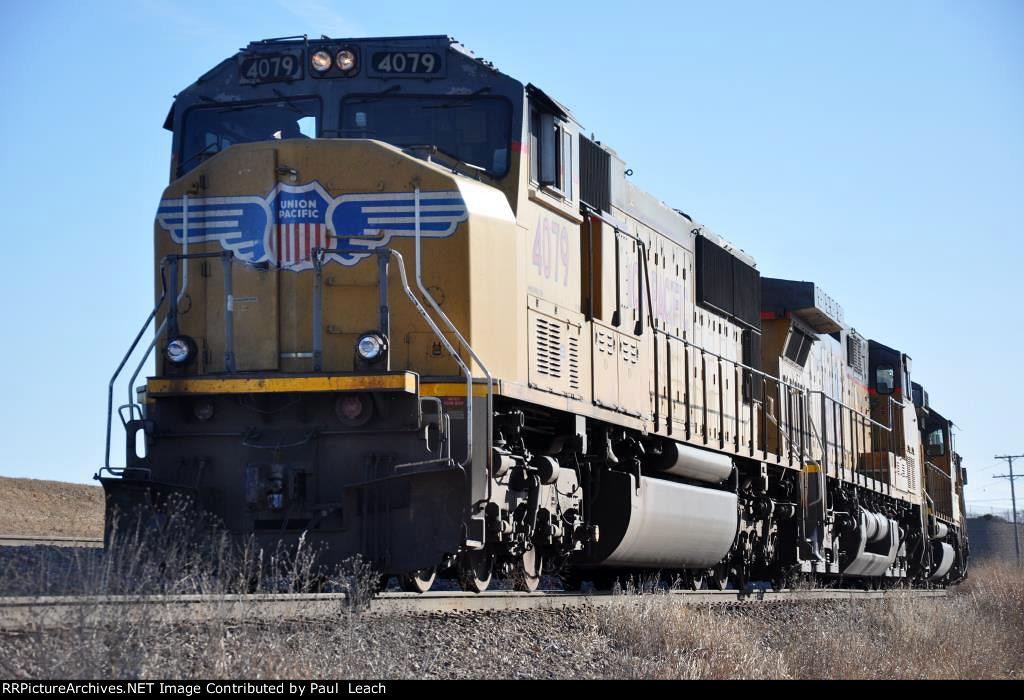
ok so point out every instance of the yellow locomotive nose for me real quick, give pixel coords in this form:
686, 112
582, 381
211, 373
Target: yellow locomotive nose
307, 224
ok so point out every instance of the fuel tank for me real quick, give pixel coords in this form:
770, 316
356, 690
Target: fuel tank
943, 556
875, 545
658, 524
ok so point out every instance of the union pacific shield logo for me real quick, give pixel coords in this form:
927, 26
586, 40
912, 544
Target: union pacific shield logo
286, 226
300, 225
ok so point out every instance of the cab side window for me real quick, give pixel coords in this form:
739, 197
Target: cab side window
798, 346
551, 152
885, 379
936, 443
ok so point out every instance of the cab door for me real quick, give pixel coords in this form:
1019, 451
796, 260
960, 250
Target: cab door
891, 404
886, 388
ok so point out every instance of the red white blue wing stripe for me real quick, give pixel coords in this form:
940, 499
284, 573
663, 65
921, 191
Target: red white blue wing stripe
286, 226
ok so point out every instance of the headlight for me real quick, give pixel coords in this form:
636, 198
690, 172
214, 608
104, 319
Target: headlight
346, 60
321, 61
179, 350
371, 347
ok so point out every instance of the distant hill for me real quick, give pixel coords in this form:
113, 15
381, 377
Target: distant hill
991, 537
31, 507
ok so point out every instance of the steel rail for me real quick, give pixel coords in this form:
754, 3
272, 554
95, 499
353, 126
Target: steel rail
35, 613
49, 540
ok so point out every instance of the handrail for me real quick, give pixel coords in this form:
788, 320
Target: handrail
184, 248
792, 389
169, 320
944, 489
650, 314
472, 353
404, 279
651, 323
145, 356
124, 361
866, 416
447, 346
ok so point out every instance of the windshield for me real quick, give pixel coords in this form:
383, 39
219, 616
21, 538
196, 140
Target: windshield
209, 130
476, 130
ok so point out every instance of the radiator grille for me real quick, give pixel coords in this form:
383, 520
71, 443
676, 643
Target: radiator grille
595, 175
856, 353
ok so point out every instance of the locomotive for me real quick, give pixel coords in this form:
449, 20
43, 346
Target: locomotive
406, 309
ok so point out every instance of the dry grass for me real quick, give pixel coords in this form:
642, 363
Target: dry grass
184, 556
974, 633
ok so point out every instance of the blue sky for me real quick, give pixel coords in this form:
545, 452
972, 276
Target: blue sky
875, 148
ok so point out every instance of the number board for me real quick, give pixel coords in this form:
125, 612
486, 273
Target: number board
269, 68
424, 64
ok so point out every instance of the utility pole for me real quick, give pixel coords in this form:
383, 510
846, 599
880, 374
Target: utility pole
1013, 497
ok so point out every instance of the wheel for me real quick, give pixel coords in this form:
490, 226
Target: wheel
526, 576
671, 581
475, 571
606, 581
600, 581
418, 581
718, 577
695, 580
572, 580
783, 577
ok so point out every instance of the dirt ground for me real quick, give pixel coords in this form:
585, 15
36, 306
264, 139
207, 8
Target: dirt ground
31, 507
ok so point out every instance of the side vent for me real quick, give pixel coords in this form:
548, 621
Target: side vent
555, 364
574, 363
912, 474
595, 175
549, 347
630, 351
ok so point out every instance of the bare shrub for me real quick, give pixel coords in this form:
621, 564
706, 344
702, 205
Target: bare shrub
181, 555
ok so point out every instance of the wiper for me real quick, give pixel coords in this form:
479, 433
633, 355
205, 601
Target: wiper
289, 101
462, 101
229, 107
206, 151
241, 108
376, 97
432, 149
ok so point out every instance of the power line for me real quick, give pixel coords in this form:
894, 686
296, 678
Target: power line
1013, 497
